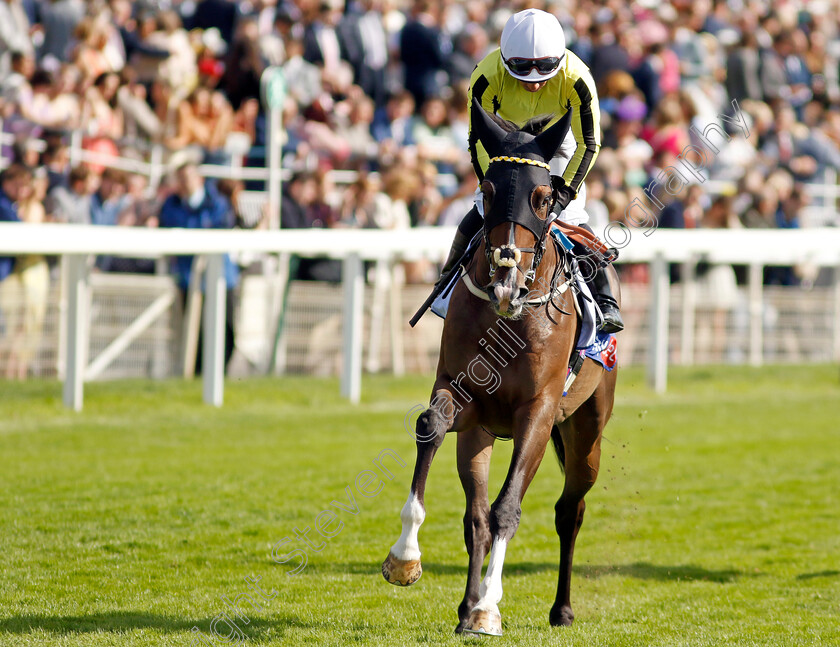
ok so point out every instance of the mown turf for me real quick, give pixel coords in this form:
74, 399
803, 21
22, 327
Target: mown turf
714, 522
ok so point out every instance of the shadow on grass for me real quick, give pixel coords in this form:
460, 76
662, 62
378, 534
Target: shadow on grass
811, 576
121, 621
638, 570
661, 573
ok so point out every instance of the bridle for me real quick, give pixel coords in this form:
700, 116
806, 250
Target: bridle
510, 255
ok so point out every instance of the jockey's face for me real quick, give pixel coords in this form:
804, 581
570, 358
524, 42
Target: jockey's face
532, 87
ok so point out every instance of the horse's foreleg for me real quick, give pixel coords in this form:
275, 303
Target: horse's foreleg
532, 429
474, 450
402, 567
581, 436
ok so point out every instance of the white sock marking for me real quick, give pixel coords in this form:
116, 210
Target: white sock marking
490, 591
407, 547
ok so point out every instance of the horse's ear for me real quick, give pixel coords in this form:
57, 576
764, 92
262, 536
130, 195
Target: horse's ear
550, 140
485, 130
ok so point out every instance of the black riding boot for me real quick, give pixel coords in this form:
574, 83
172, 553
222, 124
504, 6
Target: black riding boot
459, 246
466, 230
612, 321
601, 290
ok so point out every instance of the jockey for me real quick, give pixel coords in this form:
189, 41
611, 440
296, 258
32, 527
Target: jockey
534, 74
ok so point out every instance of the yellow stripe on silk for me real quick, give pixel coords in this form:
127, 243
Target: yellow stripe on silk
520, 160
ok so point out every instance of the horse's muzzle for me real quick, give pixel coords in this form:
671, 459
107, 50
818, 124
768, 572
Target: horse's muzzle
507, 299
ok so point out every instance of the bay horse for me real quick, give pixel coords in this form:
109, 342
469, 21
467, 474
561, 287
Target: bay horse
501, 375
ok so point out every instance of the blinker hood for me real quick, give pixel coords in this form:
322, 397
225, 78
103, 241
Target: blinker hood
515, 181
513, 184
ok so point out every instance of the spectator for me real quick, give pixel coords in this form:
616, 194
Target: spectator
204, 121
72, 204
301, 210
102, 117
16, 86
56, 160
14, 33
141, 210
743, 66
59, 19
298, 193
356, 130
139, 119
358, 204
433, 135
14, 187
471, 45
89, 55
132, 43
717, 287
110, 200
424, 51
37, 106
244, 66
196, 204
303, 79
392, 125
180, 69
366, 44
219, 14
25, 291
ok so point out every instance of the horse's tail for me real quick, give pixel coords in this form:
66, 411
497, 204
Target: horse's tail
559, 449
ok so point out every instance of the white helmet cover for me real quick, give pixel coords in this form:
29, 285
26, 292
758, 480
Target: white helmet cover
532, 34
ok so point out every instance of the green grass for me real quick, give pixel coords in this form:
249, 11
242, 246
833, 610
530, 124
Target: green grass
714, 522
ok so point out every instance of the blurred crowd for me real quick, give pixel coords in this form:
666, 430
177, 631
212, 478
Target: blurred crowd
379, 87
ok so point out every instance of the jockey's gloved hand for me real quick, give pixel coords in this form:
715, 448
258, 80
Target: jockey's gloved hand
561, 193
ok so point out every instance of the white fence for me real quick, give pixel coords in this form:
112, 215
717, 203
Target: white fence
753, 321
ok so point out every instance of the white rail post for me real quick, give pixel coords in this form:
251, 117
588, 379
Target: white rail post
351, 369
279, 271
63, 283
396, 320
756, 281
77, 331
192, 317
273, 91
658, 348
213, 351
689, 311
381, 288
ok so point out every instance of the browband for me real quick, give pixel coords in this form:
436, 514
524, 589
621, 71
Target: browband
520, 160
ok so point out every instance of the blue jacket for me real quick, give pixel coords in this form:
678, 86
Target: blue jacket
214, 212
8, 213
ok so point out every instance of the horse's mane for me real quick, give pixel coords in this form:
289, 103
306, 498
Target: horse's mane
534, 126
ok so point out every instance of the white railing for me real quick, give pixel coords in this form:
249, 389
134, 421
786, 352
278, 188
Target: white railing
755, 248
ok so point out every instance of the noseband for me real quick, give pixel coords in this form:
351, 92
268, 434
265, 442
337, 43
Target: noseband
509, 255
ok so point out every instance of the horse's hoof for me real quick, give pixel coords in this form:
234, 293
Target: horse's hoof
401, 572
486, 623
561, 616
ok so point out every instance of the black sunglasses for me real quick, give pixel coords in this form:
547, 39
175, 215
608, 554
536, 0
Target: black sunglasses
523, 66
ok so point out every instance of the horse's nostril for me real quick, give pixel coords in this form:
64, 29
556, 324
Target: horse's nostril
522, 293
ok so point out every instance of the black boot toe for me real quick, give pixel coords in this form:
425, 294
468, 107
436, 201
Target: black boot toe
612, 321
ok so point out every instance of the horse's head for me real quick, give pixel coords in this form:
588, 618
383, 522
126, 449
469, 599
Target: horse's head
517, 204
